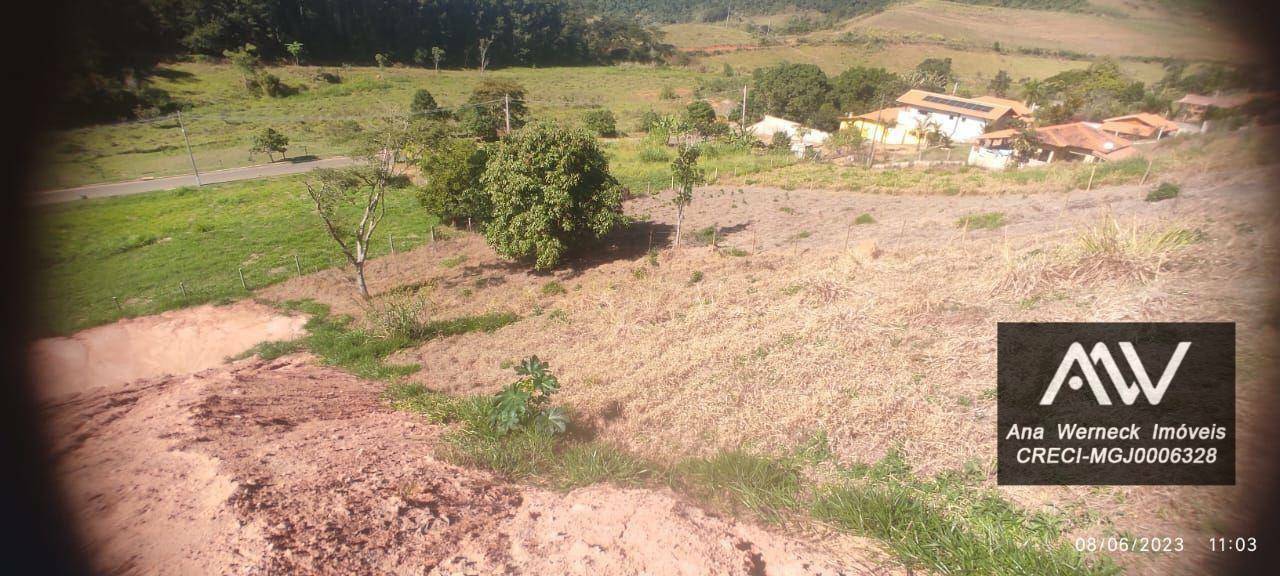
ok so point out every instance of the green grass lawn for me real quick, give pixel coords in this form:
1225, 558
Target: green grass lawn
645, 167
137, 249
322, 119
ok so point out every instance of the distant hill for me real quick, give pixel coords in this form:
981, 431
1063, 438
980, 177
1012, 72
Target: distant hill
668, 11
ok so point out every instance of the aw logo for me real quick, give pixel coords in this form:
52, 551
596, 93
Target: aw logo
1128, 391
1120, 403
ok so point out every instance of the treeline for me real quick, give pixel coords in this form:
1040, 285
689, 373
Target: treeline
111, 45
718, 10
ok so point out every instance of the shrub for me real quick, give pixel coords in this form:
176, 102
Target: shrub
526, 402
484, 115
395, 316
553, 288
667, 93
654, 153
424, 106
865, 218
602, 122
326, 77
700, 116
649, 120
780, 141
272, 86
453, 190
551, 191
1165, 191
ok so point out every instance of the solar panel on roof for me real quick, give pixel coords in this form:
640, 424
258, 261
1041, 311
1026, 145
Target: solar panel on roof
958, 103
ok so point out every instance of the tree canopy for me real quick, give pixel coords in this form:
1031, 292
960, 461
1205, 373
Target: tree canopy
551, 191
793, 91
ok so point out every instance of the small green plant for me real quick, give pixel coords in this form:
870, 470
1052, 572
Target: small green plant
864, 218
981, 221
602, 122
526, 402
453, 261
695, 278
553, 288
1165, 191
667, 93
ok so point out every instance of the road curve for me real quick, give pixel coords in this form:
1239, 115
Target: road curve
282, 168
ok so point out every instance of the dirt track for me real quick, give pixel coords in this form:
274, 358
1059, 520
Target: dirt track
286, 467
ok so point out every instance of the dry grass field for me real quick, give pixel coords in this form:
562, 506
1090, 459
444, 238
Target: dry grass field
878, 336
1141, 32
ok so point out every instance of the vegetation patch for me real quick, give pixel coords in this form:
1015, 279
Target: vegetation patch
1165, 191
104, 259
981, 221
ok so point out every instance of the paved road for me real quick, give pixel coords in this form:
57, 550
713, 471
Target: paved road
169, 183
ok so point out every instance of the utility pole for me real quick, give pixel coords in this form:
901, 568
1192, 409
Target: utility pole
506, 110
191, 156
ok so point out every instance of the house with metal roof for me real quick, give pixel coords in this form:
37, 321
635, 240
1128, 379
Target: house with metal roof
960, 119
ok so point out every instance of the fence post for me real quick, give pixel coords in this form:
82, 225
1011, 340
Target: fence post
243, 284
1148, 172
297, 264
117, 301
392, 241
1091, 172
714, 229
183, 287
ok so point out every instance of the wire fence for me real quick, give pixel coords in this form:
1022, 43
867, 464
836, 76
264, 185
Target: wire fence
243, 280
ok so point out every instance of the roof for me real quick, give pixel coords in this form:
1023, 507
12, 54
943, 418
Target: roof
1077, 135
1018, 107
877, 116
970, 107
775, 123
1221, 101
1153, 120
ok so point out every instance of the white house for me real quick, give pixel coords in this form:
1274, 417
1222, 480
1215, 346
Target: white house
960, 119
802, 138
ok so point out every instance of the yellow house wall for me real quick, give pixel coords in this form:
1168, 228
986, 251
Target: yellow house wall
873, 131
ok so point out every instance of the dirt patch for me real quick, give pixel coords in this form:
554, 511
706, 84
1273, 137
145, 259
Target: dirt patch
175, 342
287, 467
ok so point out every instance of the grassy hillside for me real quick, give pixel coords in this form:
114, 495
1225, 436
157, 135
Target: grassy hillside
1148, 33
145, 250
322, 118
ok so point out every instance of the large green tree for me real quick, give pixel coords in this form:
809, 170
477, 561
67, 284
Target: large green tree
792, 91
452, 168
859, 89
551, 192
486, 112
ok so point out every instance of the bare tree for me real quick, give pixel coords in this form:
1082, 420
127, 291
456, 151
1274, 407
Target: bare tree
484, 45
351, 202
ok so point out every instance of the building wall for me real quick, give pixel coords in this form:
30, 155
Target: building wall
872, 131
958, 128
990, 158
